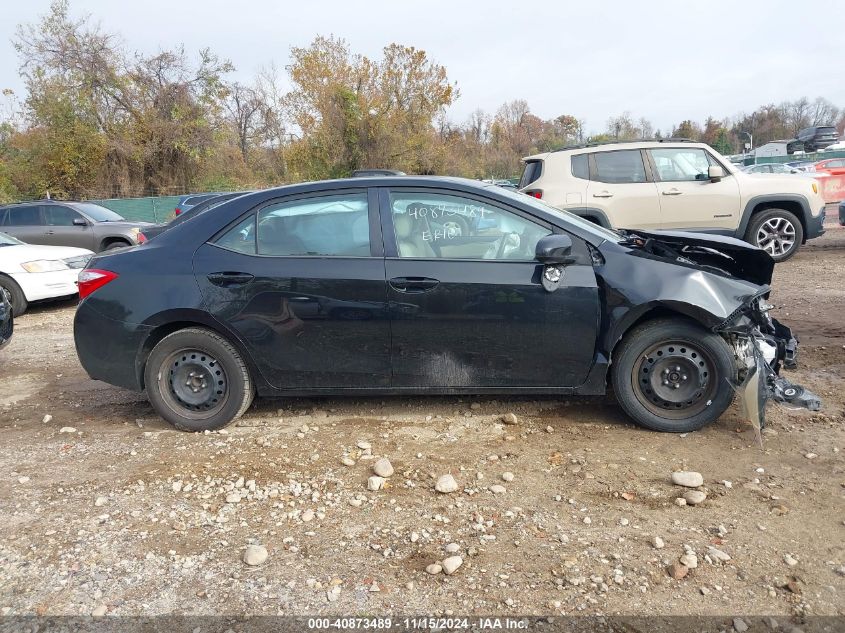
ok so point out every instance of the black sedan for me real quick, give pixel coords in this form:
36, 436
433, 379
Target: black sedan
365, 286
190, 212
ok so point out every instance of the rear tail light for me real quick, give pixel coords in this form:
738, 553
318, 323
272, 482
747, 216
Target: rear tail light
141, 238
177, 210
535, 194
92, 279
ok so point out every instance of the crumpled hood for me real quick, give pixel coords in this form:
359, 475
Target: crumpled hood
730, 255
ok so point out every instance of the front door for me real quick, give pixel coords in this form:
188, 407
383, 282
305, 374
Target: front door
688, 198
301, 281
66, 227
467, 305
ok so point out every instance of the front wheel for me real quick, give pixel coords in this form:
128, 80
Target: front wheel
776, 231
673, 375
197, 381
15, 294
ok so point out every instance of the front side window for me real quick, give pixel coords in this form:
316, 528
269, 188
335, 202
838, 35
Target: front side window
680, 164
620, 167
24, 216
441, 225
336, 226
59, 216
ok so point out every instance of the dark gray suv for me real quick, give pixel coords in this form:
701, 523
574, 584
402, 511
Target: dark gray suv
80, 224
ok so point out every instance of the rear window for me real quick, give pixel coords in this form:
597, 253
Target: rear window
826, 130
620, 167
530, 173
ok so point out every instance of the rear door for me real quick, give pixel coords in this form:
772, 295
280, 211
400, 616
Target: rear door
622, 189
467, 305
688, 198
301, 281
66, 227
25, 223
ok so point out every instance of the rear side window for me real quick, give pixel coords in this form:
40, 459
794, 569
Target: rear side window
625, 166
24, 216
334, 226
530, 173
580, 166
240, 238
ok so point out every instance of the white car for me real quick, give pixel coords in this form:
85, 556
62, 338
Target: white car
29, 272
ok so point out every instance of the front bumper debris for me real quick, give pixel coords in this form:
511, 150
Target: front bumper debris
762, 346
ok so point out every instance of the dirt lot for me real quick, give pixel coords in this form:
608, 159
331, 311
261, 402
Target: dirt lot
106, 509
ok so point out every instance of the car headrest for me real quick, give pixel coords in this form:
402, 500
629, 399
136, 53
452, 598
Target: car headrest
404, 226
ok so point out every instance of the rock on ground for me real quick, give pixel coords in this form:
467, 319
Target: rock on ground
687, 478
446, 484
255, 555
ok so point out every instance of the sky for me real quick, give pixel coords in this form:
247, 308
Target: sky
663, 60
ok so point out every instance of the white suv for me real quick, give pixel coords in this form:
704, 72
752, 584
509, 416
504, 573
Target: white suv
677, 184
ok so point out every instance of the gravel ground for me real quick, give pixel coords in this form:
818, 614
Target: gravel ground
571, 510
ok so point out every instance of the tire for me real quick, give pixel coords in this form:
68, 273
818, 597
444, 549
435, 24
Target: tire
657, 355
771, 229
116, 244
16, 296
200, 358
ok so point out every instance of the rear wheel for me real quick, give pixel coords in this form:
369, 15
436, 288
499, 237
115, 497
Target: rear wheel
197, 381
776, 231
673, 375
15, 294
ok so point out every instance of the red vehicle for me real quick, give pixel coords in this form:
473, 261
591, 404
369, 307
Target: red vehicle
832, 166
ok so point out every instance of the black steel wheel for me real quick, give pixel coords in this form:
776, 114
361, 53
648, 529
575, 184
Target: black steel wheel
197, 381
673, 379
673, 375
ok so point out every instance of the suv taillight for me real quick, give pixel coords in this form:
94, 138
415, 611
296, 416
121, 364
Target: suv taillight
536, 193
92, 279
177, 211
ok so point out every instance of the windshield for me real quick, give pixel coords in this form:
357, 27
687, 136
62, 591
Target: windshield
8, 240
98, 213
581, 223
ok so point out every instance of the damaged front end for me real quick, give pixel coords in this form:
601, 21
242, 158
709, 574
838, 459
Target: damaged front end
762, 346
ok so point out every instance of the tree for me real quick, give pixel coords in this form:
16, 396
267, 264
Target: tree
687, 129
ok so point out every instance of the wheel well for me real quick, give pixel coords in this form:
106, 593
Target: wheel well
161, 331
113, 240
786, 205
657, 312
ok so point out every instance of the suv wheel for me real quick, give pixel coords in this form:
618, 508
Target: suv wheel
197, 381
15, 294
673, 375
776, 231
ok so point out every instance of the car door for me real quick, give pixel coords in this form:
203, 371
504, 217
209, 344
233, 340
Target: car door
467, 305
301, 281
66, 227
688, 198
622, 189
835, 167
24, 222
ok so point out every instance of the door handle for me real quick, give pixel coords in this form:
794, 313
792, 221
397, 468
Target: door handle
603, 194
50, 232
672, 192
413, 284
228, 279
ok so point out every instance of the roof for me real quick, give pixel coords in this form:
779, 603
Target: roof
647, 142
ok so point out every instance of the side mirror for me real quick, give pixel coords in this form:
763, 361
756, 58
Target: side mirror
715, 173
80, 222
554, 249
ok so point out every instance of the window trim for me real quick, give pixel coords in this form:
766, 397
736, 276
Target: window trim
376, 248
391, 247
594, 172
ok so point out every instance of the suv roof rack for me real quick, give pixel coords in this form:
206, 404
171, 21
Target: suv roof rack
614, 142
